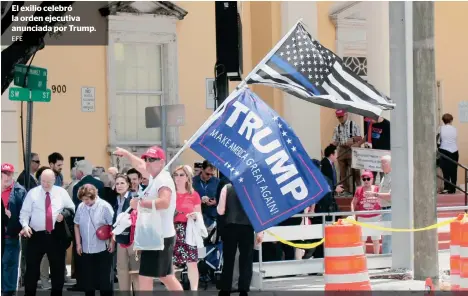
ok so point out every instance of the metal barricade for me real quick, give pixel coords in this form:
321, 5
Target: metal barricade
297, 267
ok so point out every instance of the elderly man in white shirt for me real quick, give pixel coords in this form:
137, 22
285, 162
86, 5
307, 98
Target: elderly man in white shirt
42, 217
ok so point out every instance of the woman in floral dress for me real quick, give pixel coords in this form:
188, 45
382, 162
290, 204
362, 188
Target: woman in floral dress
188, 203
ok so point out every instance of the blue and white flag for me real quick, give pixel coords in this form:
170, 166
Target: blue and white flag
303, 67
259, 152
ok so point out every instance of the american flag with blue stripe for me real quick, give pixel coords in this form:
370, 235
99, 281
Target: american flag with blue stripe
304, 68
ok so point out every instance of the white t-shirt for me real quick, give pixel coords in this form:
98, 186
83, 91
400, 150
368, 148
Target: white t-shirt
163, 179
448, 138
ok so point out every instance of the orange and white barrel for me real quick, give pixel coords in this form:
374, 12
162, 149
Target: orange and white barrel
455, 253
463, 283
345, 261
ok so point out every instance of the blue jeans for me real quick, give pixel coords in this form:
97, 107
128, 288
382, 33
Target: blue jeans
387, 239
10, 263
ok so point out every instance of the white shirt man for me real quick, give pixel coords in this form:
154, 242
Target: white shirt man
42, 218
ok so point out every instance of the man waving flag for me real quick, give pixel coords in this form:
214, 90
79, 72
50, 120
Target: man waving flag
258, 151
301, 66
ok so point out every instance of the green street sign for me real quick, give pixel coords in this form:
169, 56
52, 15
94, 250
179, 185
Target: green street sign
37, 77
40, 95
26, 95
18, 94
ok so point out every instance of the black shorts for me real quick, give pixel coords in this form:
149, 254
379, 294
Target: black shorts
158, 264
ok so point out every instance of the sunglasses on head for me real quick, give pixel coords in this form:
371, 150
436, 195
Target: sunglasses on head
179, 175
366, 179
151, 159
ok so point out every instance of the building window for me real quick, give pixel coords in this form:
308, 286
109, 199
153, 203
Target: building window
357, 65
142, 72
139, 77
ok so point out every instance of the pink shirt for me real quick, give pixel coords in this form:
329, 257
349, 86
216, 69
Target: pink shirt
185, 204
365, 204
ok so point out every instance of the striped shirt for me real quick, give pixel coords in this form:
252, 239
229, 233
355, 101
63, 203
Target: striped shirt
343, 132
101, 214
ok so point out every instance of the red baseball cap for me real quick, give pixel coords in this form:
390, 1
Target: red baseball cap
8, 167
340, 113
367, 174
155, 152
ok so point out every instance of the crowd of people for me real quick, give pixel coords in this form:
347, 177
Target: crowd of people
50, 216
42, 216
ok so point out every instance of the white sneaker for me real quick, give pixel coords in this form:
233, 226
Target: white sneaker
46, 285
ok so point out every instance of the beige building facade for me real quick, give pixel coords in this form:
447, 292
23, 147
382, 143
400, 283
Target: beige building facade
165, 55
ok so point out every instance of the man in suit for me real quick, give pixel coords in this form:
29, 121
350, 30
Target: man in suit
84, 171
328, 203
35, 164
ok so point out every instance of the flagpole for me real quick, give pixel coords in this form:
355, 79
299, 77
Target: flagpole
206, 124
241, 85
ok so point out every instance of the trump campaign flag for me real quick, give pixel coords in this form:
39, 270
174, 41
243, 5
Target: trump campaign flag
303, 67
265, 161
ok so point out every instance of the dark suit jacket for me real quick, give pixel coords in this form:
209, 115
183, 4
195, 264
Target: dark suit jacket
22, 180
327, 171
65, 231
4, 223
125, 206
87, 180
327, 203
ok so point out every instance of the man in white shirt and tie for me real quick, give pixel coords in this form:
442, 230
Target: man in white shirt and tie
42, 217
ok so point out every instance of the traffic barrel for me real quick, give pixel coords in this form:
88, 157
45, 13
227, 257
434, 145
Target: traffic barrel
463, 283
455, 252
345, 263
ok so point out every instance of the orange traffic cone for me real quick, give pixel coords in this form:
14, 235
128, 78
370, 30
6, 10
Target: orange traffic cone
455, 253
345, 261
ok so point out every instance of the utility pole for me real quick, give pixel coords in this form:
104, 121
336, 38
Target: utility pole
426, 263
401, 91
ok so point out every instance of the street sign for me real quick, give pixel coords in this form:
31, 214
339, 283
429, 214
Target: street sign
26, 95
41, 95
37, 77
18, 94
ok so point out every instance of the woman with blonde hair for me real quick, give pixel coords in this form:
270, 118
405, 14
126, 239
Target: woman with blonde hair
187, 205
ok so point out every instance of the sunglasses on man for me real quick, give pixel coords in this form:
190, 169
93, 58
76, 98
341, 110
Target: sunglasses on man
366, 179
151, 159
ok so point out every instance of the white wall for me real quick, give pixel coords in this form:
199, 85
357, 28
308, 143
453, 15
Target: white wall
378, 46
303, 117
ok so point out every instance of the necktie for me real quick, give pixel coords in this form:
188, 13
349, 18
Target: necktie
48, 216
334, 174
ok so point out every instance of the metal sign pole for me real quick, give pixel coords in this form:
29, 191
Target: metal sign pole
27, 168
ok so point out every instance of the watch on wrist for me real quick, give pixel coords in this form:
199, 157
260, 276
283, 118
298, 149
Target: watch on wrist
376, 194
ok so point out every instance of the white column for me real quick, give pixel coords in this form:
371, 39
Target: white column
401, 52
378, 54
303, 117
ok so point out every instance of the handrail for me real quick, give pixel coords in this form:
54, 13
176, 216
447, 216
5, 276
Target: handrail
452, 161
445, 157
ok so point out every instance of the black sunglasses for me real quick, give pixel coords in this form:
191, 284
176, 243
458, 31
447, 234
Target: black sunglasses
366, 179
179, 175
36, 161
150, 159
